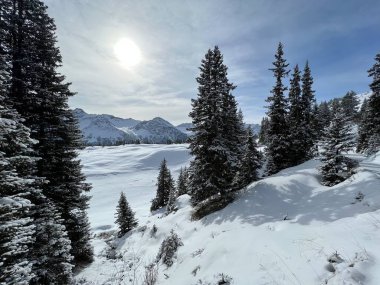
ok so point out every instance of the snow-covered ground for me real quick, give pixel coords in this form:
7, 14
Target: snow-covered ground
281, 230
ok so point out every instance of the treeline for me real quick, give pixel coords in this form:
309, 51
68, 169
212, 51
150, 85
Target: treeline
44, 229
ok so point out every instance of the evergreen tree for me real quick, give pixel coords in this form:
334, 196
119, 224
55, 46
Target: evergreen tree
308, 101
323, 118
350, 106
337, 138
364, 127
173, 194
278, 131
296, 120
251, 162
182, 187
165, 184
216, 131
263, 135
125, 217
40, 95
17, 189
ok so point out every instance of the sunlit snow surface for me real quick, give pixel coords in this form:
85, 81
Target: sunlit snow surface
249, 240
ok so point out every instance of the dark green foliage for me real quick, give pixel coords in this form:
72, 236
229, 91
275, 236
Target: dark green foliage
40, 95
350, 106
369, 131
165, 184
182, 182
278, 131
168, 249
250, 163
212, 204
216, 133
337, 139
263, 135
125, 217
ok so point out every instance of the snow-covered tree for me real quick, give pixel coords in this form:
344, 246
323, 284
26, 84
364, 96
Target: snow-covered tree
40, 95
278, 132
173, 194
216, 131
125, 217
263, 135
165, 184
168, 249
350, 106
182, 181
369, 132
338, 138
251, 162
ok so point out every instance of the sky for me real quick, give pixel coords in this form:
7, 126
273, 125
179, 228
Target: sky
339, 39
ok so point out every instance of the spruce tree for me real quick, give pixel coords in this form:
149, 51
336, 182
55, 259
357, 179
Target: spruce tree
251, 162
40, 95
364, 128
263, 134
173, 194
182, 187
278, 131
216, 129
165, 184
350, 106
308, 101
296, 120
125, 217
337, 138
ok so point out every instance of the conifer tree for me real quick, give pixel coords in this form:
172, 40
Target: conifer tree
251, 162
278, 131
263, 135
369, 133
165, 184
216, 131
364, 126
125, 217
296, 120
182, 182
173, 194
337, 138
350, 106
308, 101
40, 95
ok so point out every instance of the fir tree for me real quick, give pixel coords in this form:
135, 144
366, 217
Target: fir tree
278, 131
251, 162
308, 101
337, 138
350, 105
125, 217
216, 132
40, 95
182, 186
173, 194
364, 127
165, 184
263, 135
296, 120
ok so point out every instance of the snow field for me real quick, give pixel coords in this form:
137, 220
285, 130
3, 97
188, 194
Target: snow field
281, 230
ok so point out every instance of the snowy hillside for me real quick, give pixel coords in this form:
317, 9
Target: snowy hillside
285, 229
107, 130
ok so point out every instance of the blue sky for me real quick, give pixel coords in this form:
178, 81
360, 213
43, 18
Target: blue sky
339, 38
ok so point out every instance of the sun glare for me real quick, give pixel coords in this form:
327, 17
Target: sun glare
127, 52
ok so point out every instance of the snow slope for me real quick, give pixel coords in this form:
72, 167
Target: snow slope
281, 230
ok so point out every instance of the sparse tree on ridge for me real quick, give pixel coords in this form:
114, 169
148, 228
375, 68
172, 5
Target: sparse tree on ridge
125, 217
165, 184
278, 131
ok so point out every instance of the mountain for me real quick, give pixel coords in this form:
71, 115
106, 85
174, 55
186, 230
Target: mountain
110, 130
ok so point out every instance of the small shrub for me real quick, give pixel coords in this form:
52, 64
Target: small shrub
168, 249
153, 231
151, 274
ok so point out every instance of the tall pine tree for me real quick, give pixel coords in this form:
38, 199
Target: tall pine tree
216, 132
125, 217
278, 132
40, 95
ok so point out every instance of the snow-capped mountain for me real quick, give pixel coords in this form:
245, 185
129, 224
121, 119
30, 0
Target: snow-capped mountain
108, 130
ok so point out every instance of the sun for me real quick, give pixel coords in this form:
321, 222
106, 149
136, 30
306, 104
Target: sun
127, 52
